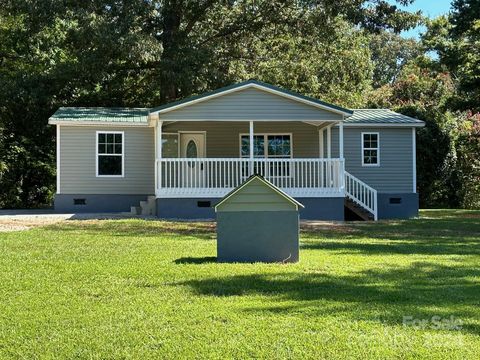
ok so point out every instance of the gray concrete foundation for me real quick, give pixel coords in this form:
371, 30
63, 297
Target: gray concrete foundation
81, 203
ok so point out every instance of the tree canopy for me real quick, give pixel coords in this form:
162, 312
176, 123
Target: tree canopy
145, 53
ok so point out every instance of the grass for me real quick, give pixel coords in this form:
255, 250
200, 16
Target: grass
151, 289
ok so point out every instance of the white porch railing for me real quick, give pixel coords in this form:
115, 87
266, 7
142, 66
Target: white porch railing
361, 193
215, 177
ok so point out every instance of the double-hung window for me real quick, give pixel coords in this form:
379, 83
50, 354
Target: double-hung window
271, 146
110, 153
370, 149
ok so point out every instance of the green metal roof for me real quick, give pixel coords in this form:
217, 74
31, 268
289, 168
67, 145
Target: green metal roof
255, 82
139, 116
101, 114
380, 116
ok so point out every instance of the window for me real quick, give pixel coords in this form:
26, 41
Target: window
191, 151
272, 146
370, 149
110, 153
169, 145
277, 146
258, 146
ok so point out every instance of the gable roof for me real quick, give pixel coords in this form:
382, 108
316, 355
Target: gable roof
94, 115
381, 117
140, 116
264, 181
251, 84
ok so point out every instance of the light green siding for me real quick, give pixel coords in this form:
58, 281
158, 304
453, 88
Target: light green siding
223, 139
256, 196
250, 104
77, 162
395, 173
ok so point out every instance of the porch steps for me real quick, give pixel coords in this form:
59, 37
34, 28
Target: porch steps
358, 210
135, 210
145, 208
148, 207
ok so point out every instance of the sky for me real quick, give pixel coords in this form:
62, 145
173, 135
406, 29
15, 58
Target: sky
430, 8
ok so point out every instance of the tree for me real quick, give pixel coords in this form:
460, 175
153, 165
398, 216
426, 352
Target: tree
311, 61
390, 53
448, 146
456, 39
143, 53
424, 94
207, 26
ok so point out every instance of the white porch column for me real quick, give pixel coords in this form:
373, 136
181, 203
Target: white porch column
340, 136
158, 154
159, 139
251, 148
320, 143
340, 151
329, 141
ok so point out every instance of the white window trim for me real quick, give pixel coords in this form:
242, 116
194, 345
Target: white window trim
97, 154
377, 148
265, 136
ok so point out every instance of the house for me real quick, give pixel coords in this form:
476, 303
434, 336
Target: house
179, 159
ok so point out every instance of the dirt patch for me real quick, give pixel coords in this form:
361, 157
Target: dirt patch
20, 223
471, 216
338, 227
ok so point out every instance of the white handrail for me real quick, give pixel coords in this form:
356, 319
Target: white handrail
210, 176
362, 194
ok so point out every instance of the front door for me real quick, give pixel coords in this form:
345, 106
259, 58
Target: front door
192, 146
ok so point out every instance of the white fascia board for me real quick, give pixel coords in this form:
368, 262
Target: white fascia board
310, 122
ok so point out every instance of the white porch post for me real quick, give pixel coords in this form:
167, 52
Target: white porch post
251, 148
340, 150
159, 139
340, 135
329, 141
320, 143
158, 151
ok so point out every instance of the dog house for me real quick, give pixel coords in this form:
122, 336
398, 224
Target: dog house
257, 222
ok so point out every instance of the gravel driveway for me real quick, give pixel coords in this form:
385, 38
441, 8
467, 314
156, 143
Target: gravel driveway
16, 220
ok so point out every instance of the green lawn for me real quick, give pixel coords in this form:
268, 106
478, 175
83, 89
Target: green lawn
149, 289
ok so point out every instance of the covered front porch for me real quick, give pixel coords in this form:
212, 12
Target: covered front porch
209, 144
185, 169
